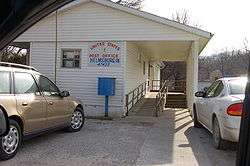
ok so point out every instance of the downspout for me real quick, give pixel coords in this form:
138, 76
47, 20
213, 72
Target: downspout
55, 51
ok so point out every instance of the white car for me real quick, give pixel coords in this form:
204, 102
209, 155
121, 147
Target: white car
219, 109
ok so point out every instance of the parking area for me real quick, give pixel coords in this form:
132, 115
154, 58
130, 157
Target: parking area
136, 140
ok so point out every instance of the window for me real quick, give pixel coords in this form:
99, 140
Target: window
25, 84
71, 58
219, 89
47, 87
237, 86
144, 68
215, 89
5, 83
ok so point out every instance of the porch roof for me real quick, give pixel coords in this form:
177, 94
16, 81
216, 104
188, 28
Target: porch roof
165, 50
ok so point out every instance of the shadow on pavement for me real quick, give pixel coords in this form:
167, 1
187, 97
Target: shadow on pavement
200, 140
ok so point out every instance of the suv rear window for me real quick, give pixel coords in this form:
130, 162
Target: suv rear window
5, 83
237, 86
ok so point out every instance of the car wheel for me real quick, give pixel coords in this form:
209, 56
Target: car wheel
195, 118
11, 142
218, 142
77, 120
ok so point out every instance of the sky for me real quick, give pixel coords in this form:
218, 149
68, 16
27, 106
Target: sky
228, 20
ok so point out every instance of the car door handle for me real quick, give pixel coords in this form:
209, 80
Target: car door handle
51, 103
24, 104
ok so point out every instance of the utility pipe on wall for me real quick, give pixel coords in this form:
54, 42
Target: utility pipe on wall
55, 68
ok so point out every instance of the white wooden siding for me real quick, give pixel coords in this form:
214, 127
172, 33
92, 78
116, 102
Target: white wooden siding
94, 22
134, 69
82, 83
43, 57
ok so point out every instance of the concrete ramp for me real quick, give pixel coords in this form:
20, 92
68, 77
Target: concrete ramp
146, 106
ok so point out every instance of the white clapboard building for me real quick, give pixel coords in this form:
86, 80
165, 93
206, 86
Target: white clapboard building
87, 39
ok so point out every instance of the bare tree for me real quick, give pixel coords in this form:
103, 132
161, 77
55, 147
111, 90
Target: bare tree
13, 55
136, 4
183, 17
246, 46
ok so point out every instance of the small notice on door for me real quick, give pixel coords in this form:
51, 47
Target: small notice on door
104, 54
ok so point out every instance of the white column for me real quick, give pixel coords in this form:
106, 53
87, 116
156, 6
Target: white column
192, 73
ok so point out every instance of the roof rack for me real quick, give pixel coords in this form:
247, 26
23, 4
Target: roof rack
6, 64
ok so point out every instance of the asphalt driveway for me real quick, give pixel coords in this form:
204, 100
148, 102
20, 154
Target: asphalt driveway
137, 140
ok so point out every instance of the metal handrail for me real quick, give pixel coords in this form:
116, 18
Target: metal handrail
137, 94
161, 98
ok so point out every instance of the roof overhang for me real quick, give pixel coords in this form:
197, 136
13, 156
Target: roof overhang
202, 36
146, 15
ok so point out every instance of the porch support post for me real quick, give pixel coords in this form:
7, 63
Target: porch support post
192, 73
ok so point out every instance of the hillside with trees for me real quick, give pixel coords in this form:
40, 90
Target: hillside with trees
224, 64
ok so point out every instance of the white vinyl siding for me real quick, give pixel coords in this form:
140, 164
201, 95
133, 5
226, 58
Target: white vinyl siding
43, 57
134, 67
81, 82
95, 22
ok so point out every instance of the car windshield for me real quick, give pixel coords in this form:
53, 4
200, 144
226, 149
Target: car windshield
237, 86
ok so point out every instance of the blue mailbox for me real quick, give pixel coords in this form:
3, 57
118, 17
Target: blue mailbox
106, 87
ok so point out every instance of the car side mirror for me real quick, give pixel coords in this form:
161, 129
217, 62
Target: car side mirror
205, 89
4, 123
64, 94
200, 94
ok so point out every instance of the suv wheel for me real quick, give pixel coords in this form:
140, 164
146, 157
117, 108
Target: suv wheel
77, 120
11, 142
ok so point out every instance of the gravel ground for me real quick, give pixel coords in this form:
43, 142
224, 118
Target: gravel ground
169, 140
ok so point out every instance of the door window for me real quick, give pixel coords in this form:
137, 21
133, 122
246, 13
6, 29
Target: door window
25, 84
5, 83
47, 87
215, 89
219, 89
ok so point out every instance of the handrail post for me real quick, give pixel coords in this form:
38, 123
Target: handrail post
142, 90
133, 97
138, 93
127, 105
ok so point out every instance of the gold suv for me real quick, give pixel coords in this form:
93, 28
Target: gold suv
34, 105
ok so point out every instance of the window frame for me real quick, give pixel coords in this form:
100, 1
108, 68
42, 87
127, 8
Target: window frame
10, 82
14, 84
62, 58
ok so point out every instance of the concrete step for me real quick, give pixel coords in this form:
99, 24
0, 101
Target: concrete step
176, 104
176, 98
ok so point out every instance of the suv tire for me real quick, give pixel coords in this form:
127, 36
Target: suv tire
9, 144
77, 120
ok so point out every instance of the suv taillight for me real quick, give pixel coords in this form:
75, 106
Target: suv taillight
235, 109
